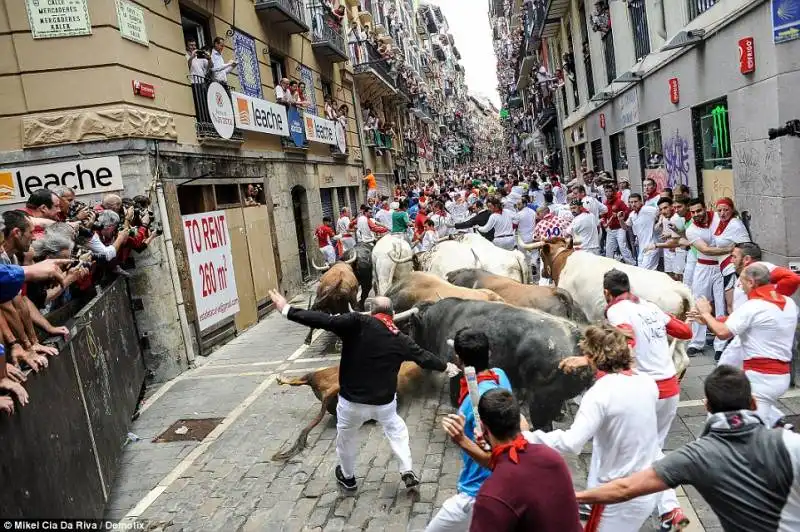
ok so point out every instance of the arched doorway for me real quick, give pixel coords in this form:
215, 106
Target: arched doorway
301, 221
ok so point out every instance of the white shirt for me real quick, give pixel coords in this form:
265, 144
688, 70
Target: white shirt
442, 223
343, 225
363, 232
429, 240
739, 297
649, 324
99, 249
198, 68
219, 68
594, 207
765, 330
626, 194
526, 223
643, 224
559, 195
584, 229
538, 197
734, 233
502, 224
653, 202
695, 233
384, 217
619, 412
280, 94
460, 211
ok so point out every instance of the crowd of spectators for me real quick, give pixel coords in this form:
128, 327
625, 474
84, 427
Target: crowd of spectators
55, 251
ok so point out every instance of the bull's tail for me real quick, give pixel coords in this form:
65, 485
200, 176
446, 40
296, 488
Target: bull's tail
302, 439
305, 380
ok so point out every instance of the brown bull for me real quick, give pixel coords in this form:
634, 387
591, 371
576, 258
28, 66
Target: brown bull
325, 385
337, 292
552, 300
420, 287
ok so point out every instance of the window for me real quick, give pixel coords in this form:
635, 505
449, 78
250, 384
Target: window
619, 154
227, 195
587, 56
697, 7
278, 66
327, 202
711, 126
608, 52
326, 88
353, 201
195, 28
597, 155
341, 195
650, 145
641, 34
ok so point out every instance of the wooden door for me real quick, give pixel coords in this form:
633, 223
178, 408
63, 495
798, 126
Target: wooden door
247, 314
262, 256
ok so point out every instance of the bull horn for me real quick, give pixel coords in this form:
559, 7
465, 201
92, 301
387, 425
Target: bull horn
451, 342
528, 247
401, 261
320, 268
405, 315
351, 261
477, 260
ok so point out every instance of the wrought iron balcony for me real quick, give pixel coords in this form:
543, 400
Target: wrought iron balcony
696, 7
326, 34
204, 127
370, 67
641, 33
285, 15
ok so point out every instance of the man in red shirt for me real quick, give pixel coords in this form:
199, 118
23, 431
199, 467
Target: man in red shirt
419, 221
616, 237
530, 487
325, 234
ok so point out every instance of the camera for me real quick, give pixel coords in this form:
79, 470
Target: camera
792, 128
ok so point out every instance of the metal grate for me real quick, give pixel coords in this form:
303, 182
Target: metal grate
608, 52
189, 430
327, 202
597, 155
641, 33
696, 7
341, 195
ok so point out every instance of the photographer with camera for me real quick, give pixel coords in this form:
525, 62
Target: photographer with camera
59, 242
71, 210
109, 234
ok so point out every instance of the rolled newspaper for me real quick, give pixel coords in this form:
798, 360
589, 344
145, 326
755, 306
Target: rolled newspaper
474, 397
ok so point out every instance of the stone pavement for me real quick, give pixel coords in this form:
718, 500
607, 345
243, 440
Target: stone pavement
229, 482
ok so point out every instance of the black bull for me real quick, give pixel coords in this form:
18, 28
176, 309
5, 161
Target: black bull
527, 344
362, 268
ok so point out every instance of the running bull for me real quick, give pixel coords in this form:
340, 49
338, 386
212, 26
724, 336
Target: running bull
391, 261
337, 290
527, 344
474, 251
360, 258
420, 287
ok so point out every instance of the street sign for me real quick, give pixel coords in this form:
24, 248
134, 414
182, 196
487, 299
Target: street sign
143, 89
747, 55
674, 91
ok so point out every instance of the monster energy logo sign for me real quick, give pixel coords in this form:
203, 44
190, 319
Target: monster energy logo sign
721, 138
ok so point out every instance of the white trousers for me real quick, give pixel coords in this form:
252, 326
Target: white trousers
767, 389
707, 282
616, 239
669, 261
350, 417
688, 271
329, 253
505, 242
454, 515
666, 410
679, 262
593, 251
648, 259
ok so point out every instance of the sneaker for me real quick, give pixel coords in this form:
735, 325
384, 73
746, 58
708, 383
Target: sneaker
409, 479
674, 521
347, 483
694, 352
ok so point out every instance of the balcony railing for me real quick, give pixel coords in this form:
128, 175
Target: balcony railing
608, 52
641, 34
288, 15
410, 148
326, 33
205, 129
696, 7
365, 58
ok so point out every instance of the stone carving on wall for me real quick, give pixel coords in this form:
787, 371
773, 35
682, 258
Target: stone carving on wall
88, 125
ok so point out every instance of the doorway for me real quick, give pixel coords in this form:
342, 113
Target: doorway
300, 210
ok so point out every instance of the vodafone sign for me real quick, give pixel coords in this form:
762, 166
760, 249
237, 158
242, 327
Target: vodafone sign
747, 55
220, 110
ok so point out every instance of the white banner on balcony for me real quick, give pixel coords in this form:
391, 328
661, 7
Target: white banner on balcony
255, 114
319, 129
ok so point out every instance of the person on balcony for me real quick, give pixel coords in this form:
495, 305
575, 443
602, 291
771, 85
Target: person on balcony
330, 110
282, 93
297, 90
219, 68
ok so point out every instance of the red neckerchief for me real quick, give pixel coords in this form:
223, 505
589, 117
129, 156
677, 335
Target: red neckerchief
583, 209
709, 218
483, 376
388, 321
518, 444
768, 293
627, 296
651, 196
600, 373
722, 225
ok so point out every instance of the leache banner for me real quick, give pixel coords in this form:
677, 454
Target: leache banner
211, 263
319, 129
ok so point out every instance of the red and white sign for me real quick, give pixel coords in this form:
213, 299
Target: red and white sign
747, 55
220, 109
208, 244
143, 89
603, 121
674, 91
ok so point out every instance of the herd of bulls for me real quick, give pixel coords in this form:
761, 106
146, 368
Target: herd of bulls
469, 282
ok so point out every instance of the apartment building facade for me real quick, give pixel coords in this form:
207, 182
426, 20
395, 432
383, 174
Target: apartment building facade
683, 92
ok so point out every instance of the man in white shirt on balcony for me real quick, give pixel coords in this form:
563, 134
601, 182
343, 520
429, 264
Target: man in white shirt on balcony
219, 68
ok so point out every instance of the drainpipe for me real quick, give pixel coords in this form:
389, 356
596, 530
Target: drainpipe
172, 264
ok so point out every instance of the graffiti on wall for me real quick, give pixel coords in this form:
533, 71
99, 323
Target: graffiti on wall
677, 160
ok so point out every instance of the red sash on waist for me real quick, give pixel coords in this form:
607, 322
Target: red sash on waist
668, 387
707, 262
767, 366
593, 524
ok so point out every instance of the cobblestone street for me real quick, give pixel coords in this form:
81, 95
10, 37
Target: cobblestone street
229, 482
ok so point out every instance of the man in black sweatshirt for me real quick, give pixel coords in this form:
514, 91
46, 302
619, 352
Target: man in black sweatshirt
481, 218
372, 351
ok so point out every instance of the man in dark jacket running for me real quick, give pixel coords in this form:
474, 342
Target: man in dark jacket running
372, 351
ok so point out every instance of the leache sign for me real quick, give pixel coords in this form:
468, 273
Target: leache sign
85, 176
211, 263
255, 114
319, 129
58, 18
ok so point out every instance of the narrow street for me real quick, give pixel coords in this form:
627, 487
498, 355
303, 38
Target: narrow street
229, 482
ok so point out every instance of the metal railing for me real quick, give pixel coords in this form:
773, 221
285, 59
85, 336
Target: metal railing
205, 129
325, 28
587, 65
696, 7
295, 7
364, 57
608, 52
641, 33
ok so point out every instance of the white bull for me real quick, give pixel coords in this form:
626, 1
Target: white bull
391, 261
474, 251
581, 274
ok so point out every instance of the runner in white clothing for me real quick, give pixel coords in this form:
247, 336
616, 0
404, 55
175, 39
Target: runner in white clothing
502, 224
584, 228
729, 231
347, 242
525, 221
642, 219
624, 431
765, 325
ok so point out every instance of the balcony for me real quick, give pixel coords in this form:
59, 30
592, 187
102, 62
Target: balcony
697, 7
371, 70
421, 110
204, 128
641, 33
326, 34
551, 20
285, 15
